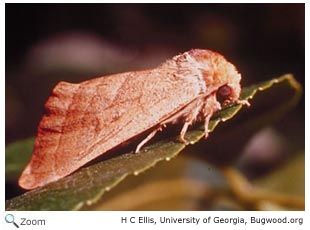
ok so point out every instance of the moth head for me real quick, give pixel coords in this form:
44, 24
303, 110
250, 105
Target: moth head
227, 79
218, 74
226, 94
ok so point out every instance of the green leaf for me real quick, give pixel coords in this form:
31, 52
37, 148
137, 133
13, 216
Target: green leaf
16, 157
86, 186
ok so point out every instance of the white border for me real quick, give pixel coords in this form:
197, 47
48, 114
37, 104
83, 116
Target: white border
80, 220
307, 115
147, 1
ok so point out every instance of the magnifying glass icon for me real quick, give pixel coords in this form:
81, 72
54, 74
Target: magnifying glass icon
9, 218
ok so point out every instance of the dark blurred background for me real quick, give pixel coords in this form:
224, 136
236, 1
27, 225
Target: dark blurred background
46, 43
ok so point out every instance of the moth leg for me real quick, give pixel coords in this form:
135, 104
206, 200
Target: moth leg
210, 107
244, 102
190, 112
149, 137
206, 125
191, 117
183, 132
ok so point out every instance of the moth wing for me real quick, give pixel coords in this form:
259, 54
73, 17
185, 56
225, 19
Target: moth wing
86, 120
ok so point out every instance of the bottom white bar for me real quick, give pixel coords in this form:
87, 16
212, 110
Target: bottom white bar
153, 220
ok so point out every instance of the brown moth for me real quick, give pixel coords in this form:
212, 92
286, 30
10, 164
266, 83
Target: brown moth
85, 120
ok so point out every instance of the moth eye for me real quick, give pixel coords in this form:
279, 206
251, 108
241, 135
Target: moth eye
223, 94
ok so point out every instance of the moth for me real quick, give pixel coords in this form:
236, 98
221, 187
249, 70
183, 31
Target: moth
83, 121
